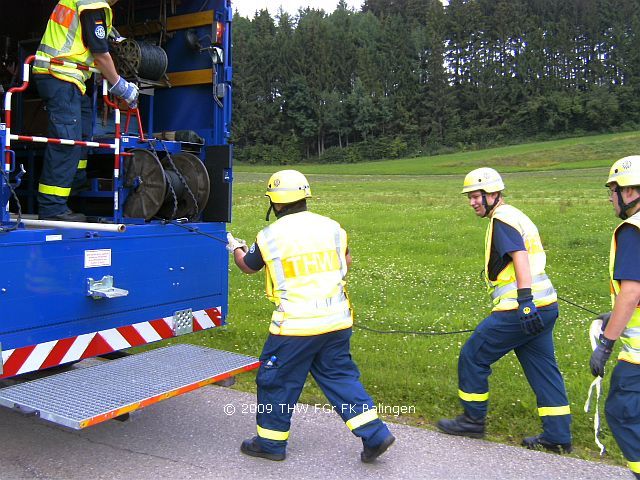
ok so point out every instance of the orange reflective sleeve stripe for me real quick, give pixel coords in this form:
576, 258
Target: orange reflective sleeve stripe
63, 15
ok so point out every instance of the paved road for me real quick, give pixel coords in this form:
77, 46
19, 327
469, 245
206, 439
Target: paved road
193, 436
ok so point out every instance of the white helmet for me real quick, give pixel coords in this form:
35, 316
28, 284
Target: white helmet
625, 172
484, 178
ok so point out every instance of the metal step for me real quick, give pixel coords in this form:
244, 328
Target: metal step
86, 396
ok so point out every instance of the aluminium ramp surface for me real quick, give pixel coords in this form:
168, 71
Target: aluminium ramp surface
86, 396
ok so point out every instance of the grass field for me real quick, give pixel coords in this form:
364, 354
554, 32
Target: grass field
417, 249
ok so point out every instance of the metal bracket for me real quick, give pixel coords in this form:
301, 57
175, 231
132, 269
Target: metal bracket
182, 322
216, 54
104, 288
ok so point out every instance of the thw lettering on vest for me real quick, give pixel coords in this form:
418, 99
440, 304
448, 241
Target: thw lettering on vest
310, 263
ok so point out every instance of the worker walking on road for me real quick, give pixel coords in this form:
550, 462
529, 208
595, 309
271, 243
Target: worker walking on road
76, 32
524, 313
623, 402
306, 259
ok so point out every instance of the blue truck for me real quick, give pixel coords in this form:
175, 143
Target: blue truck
150, 264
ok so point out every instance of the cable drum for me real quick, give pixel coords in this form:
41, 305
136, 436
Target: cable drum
142, 59
174, 186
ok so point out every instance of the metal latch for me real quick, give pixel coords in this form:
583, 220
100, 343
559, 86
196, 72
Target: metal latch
182, 322
104, 288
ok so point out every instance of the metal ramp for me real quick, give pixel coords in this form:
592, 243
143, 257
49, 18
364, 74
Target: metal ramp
83, 397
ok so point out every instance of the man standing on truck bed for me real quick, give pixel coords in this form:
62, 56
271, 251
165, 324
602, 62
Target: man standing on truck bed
306, 259
76, 32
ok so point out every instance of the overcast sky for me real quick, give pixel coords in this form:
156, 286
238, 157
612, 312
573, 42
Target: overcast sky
247, 8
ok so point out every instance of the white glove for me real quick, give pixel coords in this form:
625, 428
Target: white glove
233, 243
127, 91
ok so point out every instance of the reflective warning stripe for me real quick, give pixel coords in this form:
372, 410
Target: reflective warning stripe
554, 411
362, 419
504, 289
51, 190
634, 466
272, 434
31, 358
82, 164
473, 397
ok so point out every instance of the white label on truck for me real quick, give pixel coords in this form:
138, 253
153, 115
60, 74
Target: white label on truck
53, 238
97, 258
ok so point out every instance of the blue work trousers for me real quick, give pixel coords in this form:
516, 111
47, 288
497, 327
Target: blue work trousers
496, 336
623, 411
327, 358
69, 118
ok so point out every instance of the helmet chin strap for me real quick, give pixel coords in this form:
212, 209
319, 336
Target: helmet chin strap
286, 209
624, 207
485, 204
269, 210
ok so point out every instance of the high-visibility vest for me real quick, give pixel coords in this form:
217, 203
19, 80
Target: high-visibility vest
504, 289
305, 257
63, 40
630, 338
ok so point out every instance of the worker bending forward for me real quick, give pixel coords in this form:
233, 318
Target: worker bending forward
524, 313
623, 403
306, 259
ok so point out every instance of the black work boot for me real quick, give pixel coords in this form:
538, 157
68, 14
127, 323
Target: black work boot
538, 443
368, 455
462, 425
251, 447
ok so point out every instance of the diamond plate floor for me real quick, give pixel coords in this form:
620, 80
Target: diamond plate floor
85, 396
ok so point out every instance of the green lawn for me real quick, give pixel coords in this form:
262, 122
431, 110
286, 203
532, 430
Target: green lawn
570, 153
417, 249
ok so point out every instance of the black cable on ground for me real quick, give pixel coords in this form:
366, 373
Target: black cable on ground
454, 332
578, 306
374, 330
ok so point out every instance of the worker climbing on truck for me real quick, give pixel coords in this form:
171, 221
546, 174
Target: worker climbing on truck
76, 32
306, 258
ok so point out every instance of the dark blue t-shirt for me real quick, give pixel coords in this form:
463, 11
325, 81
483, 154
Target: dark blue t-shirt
253, 258
94, 30
505, 239
627, 263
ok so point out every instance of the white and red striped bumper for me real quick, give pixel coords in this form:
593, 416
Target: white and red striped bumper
58, 352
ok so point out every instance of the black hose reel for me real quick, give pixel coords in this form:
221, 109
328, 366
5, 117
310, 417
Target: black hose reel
172, 186
141, 60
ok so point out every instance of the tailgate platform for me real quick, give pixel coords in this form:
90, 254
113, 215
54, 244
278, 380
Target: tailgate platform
83, 397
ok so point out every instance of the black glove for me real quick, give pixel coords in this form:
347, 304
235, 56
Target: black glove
600, 356
530, 320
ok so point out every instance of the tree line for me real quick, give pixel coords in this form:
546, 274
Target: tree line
414, 77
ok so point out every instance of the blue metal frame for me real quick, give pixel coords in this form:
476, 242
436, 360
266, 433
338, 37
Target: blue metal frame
165, 268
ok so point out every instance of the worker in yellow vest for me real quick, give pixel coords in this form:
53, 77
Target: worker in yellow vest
76, 32
525, 310
306, 258
623, 402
